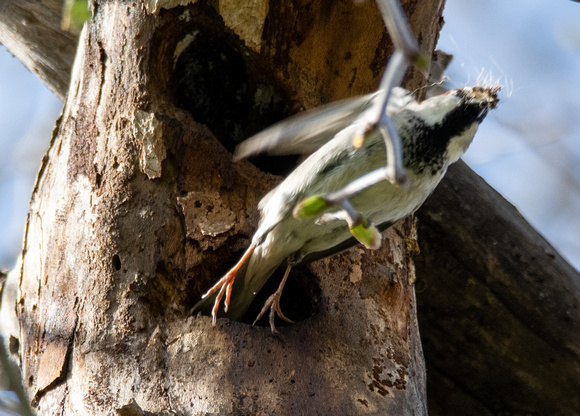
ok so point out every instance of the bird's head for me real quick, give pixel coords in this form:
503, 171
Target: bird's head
436, 132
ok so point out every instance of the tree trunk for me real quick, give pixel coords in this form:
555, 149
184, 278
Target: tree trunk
138, 208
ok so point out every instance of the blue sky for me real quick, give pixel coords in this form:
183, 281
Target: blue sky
528, 149
28, 111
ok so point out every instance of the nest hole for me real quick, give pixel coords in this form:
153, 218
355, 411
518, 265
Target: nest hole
300, 299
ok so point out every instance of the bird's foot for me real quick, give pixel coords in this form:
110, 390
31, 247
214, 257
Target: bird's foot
225, 286
273, 303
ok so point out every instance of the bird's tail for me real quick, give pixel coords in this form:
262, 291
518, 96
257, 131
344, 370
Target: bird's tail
253, 271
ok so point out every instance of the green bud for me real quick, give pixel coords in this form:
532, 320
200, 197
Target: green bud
367, 234
313, 205
74, 14
421, 61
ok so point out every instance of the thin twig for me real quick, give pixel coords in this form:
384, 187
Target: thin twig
406, 52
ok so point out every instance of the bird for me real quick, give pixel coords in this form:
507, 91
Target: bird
434, 132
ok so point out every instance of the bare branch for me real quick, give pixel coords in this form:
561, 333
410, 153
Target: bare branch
31, 31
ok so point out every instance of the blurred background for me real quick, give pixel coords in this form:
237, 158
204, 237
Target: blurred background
528, 149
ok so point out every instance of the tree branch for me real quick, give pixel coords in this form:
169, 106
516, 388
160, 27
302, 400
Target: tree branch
31, 31
498, 306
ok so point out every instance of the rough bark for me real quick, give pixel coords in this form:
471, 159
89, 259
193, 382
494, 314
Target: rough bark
138, 208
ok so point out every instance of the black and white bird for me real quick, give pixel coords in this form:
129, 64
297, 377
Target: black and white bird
434, 133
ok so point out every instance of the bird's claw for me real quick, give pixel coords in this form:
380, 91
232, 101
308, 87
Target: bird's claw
225, 287
273, 303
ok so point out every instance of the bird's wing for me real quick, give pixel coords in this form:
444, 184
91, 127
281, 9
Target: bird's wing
305, 132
